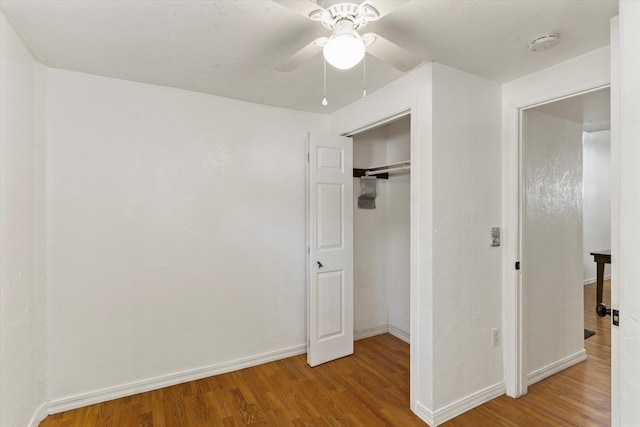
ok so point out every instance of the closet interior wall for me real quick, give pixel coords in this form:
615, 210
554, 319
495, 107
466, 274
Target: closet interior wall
381, 235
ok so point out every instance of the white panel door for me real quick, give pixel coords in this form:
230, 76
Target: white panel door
330, 209
625, 338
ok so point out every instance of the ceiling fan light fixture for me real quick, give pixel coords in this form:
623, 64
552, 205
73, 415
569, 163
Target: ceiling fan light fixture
344, 52
344, 49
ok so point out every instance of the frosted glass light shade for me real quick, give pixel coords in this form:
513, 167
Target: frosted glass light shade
344, 51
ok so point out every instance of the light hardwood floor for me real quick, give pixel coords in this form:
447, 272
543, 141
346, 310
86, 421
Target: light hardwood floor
370, 388
578, 396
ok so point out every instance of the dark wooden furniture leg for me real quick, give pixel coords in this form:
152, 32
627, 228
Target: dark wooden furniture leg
601, 258
599, 281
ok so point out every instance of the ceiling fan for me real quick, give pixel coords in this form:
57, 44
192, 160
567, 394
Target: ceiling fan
345, 47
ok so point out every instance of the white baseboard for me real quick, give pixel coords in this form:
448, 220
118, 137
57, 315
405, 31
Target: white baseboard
593, 280
40, 414
399, 333
555, 367
370, 332
435, 418
424, 413
461, 406
78, 401
379, 330
73, 402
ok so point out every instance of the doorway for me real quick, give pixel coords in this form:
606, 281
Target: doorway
565, 215
382, 230
330, 267
375, 118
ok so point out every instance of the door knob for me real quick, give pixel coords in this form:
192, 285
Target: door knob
320, 264
602, 310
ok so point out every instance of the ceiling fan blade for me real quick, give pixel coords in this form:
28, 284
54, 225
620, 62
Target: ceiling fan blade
391, 53
303, 55
303, 7
385, 7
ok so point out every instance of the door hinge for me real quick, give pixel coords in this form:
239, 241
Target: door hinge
517, 265
308, 157
615, 317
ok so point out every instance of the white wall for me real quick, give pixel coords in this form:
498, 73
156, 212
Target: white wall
552, 240
176, 233
381, 235
23, 325
597, 199
370, 240
398, 230
455, 274
466, 205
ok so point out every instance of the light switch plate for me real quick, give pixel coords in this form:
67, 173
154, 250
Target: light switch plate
495, 236
495, 337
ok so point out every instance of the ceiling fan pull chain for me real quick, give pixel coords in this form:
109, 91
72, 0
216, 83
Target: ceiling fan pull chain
324, 97
364, 76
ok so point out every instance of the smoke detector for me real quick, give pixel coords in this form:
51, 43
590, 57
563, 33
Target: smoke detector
543, 42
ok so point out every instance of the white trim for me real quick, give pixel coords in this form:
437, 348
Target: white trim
370, 332
424, 414
41, 413
383, 106
420, 192
93, 397
587, 72
380, 122
461, 406
616, 379
382, 329
555, 367
400, 334
593, 280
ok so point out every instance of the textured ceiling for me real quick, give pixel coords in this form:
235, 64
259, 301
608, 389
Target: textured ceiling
592, 109
230, 48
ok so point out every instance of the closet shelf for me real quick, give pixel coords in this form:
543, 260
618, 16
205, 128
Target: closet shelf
382, 171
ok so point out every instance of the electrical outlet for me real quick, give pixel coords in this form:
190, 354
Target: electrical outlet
495, 337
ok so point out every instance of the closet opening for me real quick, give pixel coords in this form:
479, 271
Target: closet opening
381, 228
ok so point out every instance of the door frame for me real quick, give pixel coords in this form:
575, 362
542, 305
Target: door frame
523, 377
410, 111
579, 75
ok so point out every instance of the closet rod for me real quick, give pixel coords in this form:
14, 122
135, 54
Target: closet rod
388, 170
390, 165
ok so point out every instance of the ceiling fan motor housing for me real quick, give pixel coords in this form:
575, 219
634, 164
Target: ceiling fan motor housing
344, 26
359, 15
